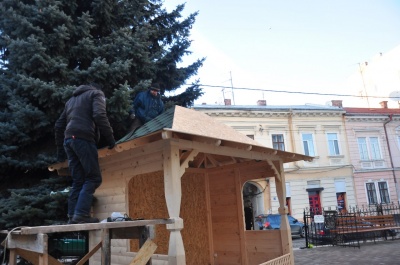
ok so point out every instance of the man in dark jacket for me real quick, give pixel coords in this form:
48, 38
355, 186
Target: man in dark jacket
147, 105
77, 132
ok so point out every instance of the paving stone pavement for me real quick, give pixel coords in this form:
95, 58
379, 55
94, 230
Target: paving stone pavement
370, 253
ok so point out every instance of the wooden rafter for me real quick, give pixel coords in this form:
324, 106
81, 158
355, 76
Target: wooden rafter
213, 161
199, 161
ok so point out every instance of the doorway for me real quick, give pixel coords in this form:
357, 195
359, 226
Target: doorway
253, 202
314, 202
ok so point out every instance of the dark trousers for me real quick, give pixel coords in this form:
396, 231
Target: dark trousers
136, 123
86, 176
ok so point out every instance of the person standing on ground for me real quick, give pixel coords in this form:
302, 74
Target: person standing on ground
77, 132
146, 106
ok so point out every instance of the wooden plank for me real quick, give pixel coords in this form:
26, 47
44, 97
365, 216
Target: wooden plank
111, 207
145, 252
243, 166
106, 247
137, 170
94, 226
29, 256
240, 216
37, 258
36, 243
90, 253
223, 150
135, 152
12, 257
209, 220
132, 162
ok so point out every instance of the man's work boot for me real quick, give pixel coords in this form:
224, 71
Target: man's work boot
78, 219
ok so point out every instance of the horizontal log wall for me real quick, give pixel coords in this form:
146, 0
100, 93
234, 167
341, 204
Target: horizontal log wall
224, 216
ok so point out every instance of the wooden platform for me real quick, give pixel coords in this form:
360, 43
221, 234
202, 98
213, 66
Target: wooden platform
31, 243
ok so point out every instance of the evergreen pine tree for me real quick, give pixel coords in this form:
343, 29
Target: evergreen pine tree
49, 47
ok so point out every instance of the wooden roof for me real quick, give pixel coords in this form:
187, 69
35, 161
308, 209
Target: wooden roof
189, 126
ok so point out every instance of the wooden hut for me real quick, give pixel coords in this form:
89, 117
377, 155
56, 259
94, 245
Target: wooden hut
188, 168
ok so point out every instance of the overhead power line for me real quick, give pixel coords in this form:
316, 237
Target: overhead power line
293, 92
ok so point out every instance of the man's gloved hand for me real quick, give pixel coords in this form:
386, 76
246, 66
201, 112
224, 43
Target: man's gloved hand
61, 155
111, 144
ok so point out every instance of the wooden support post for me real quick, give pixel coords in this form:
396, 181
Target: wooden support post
12, 260
106, 248
173, 195
43, 259
286, 235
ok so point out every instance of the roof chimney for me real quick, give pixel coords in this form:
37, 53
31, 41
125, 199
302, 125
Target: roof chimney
337, 103
384, 104
227, 102
261, 102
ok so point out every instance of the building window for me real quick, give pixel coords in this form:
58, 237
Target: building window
341, 202
371, 193
333, 144
277, 142
308, 144
375, 150
398, 141
383, 192
369, 148
373, 196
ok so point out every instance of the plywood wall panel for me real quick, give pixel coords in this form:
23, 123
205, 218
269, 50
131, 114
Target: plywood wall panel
147, 200
194, 213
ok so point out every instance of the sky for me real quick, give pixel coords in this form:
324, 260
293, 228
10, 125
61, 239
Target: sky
286, 51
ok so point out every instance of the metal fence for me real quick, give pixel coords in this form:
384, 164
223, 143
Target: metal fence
348, 228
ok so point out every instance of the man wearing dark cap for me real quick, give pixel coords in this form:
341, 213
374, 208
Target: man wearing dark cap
146, 106
77, 132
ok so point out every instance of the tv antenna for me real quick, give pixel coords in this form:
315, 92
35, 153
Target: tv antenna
233, 95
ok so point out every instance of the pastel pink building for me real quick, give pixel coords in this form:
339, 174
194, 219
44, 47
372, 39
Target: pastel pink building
373, 137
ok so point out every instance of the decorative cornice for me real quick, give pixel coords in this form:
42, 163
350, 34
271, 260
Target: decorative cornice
270, 114
369, 118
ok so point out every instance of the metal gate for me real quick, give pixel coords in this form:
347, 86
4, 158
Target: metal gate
322, 229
